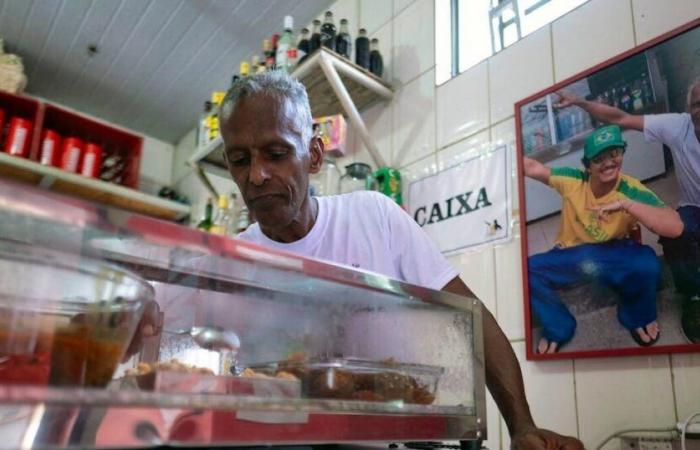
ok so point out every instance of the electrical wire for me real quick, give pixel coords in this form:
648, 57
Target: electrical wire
685, 428
637, 430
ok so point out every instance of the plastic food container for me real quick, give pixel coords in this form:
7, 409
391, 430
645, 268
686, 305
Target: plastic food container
64, 320
361, 379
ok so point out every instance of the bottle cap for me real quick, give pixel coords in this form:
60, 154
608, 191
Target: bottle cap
343, 21
223, 201
374, 41
245, 68
329, 14
316, 22
288, 22
304, 31
363, 31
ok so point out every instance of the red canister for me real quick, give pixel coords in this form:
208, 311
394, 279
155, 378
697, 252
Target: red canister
92, 159
17, 142
50, 148
72, 150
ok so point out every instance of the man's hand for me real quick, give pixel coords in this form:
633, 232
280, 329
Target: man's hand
566, 99
540, 439
602, 210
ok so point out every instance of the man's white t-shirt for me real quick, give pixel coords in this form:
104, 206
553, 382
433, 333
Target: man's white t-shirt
367, 230
678, 133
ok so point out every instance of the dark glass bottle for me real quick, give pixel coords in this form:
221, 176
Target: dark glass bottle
315, 41
343, 42
303, 45
362, 49
376, 63
206, 222
328, 31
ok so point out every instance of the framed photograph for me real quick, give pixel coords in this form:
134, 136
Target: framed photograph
609, 177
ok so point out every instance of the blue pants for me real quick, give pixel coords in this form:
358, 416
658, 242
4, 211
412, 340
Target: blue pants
630, 269
683, 254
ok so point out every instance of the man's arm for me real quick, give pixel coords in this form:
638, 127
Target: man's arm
536, 170
663, 220
505, 382
601, 111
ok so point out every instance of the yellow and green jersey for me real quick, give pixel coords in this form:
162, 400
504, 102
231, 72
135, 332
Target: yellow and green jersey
579, 224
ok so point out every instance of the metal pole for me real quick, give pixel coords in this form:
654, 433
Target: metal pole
350, 109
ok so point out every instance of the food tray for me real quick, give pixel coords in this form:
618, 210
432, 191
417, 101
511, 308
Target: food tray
167, 381
360, 379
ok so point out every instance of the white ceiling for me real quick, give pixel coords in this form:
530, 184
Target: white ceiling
158, 60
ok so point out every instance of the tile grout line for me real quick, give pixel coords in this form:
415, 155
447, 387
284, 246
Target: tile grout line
634, 28
673, 388
578, 424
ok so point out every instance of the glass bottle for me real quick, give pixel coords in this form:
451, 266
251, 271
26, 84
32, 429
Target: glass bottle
327, 180
206, 223
204, 123
315, 41
362, 49
243, 221
303, 45
355, 178
328, 31
286, 41
269, 52
376, 63
343, 42
222, 218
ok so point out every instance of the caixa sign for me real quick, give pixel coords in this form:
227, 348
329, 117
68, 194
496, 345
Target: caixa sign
465, 205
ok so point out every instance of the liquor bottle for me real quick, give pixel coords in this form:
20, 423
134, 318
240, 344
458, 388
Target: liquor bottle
376, 63
362, 49
243, 221
206, 223
328, 31
343, 42
626, 100
222, 219
647, 91
637, 101
286, 41
203, 125
315, 41
303, 45
269, 53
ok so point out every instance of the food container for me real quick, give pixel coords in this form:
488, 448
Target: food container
50, 148
92, 160
71, 153
360, 379
64, 320
17, 143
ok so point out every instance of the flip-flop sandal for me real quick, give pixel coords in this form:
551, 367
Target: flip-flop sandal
639, 340
549, 344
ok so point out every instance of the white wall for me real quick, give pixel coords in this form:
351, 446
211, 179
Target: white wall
426, 127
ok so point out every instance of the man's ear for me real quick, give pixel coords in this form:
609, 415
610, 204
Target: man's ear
316, 152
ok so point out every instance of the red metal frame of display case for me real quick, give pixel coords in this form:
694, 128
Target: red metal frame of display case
530, 354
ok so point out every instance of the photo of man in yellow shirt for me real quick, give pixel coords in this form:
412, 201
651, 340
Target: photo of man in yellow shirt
600, 208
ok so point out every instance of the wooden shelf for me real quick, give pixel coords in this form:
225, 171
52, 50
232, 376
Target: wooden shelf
335, 85
99, 191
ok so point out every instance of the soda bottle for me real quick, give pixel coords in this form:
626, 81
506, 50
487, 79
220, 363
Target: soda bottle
362, 49
343, 42
286, 41
315, 41
303, 45
206, 223
376, 63
222, 218
328, 31
268, 50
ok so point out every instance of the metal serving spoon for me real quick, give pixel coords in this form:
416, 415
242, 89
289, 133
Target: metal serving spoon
212, 338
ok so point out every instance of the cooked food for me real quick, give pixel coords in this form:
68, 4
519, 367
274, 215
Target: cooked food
173, 365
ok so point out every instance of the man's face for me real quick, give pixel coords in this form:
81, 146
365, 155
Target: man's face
694, 108
606, 166
268, 158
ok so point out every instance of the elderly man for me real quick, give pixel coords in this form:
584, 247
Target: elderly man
600, 207
681, 133
266, 126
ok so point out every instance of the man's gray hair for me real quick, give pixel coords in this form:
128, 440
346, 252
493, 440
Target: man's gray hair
275, 83
694, 85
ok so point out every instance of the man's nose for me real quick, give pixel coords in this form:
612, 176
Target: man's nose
259, 172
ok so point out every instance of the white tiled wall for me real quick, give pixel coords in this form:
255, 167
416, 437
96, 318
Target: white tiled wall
425, 128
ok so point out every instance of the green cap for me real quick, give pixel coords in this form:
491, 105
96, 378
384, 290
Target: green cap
602, 139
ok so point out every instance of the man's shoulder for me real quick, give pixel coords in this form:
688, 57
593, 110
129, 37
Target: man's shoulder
674, 121
634, 189
251, 234
570, 173
358, 199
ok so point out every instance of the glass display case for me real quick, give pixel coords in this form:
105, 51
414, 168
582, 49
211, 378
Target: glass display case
222, 342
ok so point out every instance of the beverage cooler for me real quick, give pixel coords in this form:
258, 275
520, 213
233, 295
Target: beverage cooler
122, 331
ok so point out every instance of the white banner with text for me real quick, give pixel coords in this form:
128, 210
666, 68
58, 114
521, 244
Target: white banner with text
466, 205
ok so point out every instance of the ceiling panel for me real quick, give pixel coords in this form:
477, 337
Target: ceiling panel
157, 60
